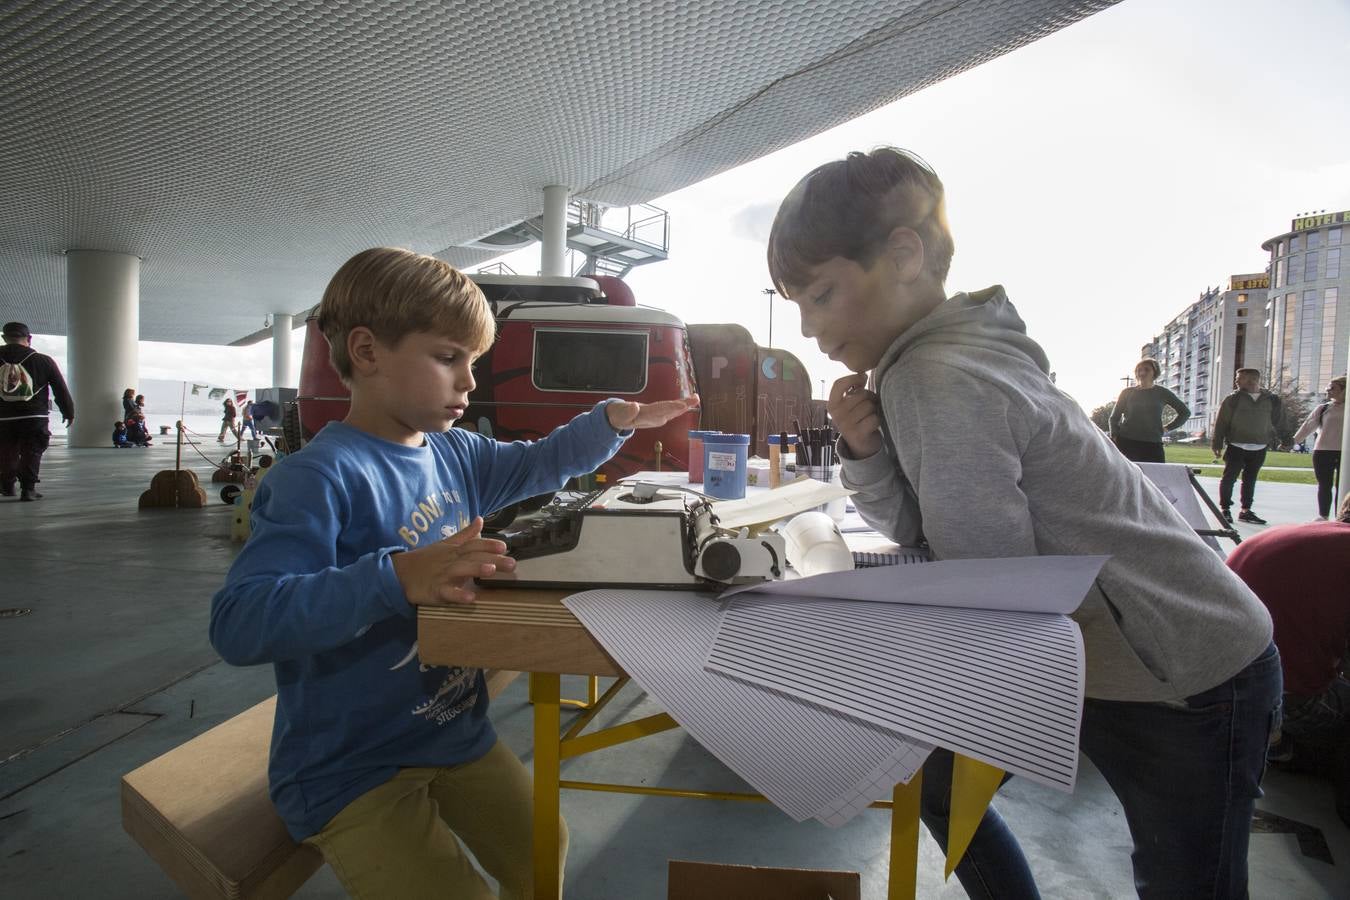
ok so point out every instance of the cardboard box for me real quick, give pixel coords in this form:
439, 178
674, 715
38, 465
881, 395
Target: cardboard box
714, 881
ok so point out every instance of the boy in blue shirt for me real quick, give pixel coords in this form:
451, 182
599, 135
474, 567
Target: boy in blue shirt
383, 763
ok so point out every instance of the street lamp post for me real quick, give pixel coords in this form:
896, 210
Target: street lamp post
769, 292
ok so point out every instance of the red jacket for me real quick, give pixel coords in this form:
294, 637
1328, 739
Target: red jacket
1302, 575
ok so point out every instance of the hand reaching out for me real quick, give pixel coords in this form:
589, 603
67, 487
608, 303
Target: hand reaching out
443, 572
625, 414
855, 413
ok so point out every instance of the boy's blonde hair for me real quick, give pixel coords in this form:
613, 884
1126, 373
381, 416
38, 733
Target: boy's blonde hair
848, 208
396, 292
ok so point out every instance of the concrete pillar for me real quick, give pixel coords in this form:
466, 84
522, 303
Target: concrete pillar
283, 366
1343, 486
103, 302
555, 231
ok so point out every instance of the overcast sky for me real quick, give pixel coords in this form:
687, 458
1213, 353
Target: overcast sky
1106, 175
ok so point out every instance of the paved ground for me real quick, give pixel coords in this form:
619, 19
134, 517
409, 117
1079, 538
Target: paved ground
112, 668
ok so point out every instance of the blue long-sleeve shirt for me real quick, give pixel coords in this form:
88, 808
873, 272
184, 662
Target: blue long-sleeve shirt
315, 594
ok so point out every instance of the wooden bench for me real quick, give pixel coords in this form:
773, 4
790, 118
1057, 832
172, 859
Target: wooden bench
203, 813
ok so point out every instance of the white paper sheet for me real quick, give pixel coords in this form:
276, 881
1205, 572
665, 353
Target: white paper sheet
1174, 481
809, 762
1046, 584
1002, 687
779, 503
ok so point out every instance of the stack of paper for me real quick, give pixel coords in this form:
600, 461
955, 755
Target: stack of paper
823, 693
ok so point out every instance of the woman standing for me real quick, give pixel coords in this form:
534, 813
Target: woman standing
1136, 421
1327, 420
129, 404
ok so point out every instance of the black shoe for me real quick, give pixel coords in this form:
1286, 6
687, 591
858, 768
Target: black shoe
1228, 515
29, 494
1248, 516
6, 490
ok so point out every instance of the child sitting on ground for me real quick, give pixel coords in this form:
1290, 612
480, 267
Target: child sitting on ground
119, 435
383, 763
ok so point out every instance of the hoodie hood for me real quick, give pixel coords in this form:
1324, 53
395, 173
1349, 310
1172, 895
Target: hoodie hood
985, 319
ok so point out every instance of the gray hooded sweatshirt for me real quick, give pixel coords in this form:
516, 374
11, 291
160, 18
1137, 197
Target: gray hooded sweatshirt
985, 457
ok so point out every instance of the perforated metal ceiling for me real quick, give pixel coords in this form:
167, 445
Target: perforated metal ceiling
245, 149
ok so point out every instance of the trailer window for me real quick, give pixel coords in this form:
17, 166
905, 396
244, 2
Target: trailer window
604, 362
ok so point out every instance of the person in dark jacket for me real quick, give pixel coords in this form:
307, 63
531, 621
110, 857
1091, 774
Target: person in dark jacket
24, 434
1246, 423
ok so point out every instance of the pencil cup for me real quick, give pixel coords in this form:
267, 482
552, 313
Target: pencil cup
835, 509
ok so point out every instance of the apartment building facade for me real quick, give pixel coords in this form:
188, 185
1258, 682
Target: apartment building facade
1200, 349
1308, 330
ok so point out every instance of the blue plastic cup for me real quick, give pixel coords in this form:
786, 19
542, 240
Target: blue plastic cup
724, 465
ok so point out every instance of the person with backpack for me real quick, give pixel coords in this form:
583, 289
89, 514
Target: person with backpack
28, 382
1328, 420
1246, 424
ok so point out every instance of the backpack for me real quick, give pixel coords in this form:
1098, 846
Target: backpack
16, 384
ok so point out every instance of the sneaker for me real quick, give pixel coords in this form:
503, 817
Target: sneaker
1320, 519
1228, 515
29, 494
1248, 516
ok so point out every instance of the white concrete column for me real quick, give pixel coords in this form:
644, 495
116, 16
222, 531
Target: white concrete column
103, 305
555, 231
283, 366
1343, 486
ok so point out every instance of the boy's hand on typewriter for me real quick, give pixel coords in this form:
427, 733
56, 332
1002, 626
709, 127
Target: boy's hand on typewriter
625, 414
854, 411
443, 572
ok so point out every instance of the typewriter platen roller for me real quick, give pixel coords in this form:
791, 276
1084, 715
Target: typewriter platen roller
636, 535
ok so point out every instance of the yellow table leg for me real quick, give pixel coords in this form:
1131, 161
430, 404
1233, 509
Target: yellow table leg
545, 692
905, 839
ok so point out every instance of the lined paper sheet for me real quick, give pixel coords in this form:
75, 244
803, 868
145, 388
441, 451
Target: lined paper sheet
1003, 687
809, 762
1052, 584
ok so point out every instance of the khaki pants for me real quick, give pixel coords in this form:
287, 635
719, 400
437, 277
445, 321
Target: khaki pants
402, 839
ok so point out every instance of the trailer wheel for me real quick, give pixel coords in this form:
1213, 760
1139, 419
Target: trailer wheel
229, 492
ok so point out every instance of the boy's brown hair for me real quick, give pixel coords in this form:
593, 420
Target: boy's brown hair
848, 208
396, 292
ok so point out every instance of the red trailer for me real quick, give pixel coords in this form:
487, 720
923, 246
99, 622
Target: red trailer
560, 348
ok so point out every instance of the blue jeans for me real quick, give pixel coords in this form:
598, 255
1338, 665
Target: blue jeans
1187, 775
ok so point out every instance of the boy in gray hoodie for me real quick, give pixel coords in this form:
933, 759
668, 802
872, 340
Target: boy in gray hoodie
960, 438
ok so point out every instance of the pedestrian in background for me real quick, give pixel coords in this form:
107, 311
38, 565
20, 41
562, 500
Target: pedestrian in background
227, 421
1136, 420
1246, 423
30, 381
1328, 420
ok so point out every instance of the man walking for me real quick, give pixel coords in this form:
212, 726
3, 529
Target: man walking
1246, 421
30, 381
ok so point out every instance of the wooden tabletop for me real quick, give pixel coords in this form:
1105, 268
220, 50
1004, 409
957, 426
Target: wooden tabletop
511, 628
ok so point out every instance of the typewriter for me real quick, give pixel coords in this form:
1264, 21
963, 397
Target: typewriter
637, 535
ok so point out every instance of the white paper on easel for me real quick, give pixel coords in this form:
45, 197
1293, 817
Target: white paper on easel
1173, 481
809, 762
779, 503
1002, 687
